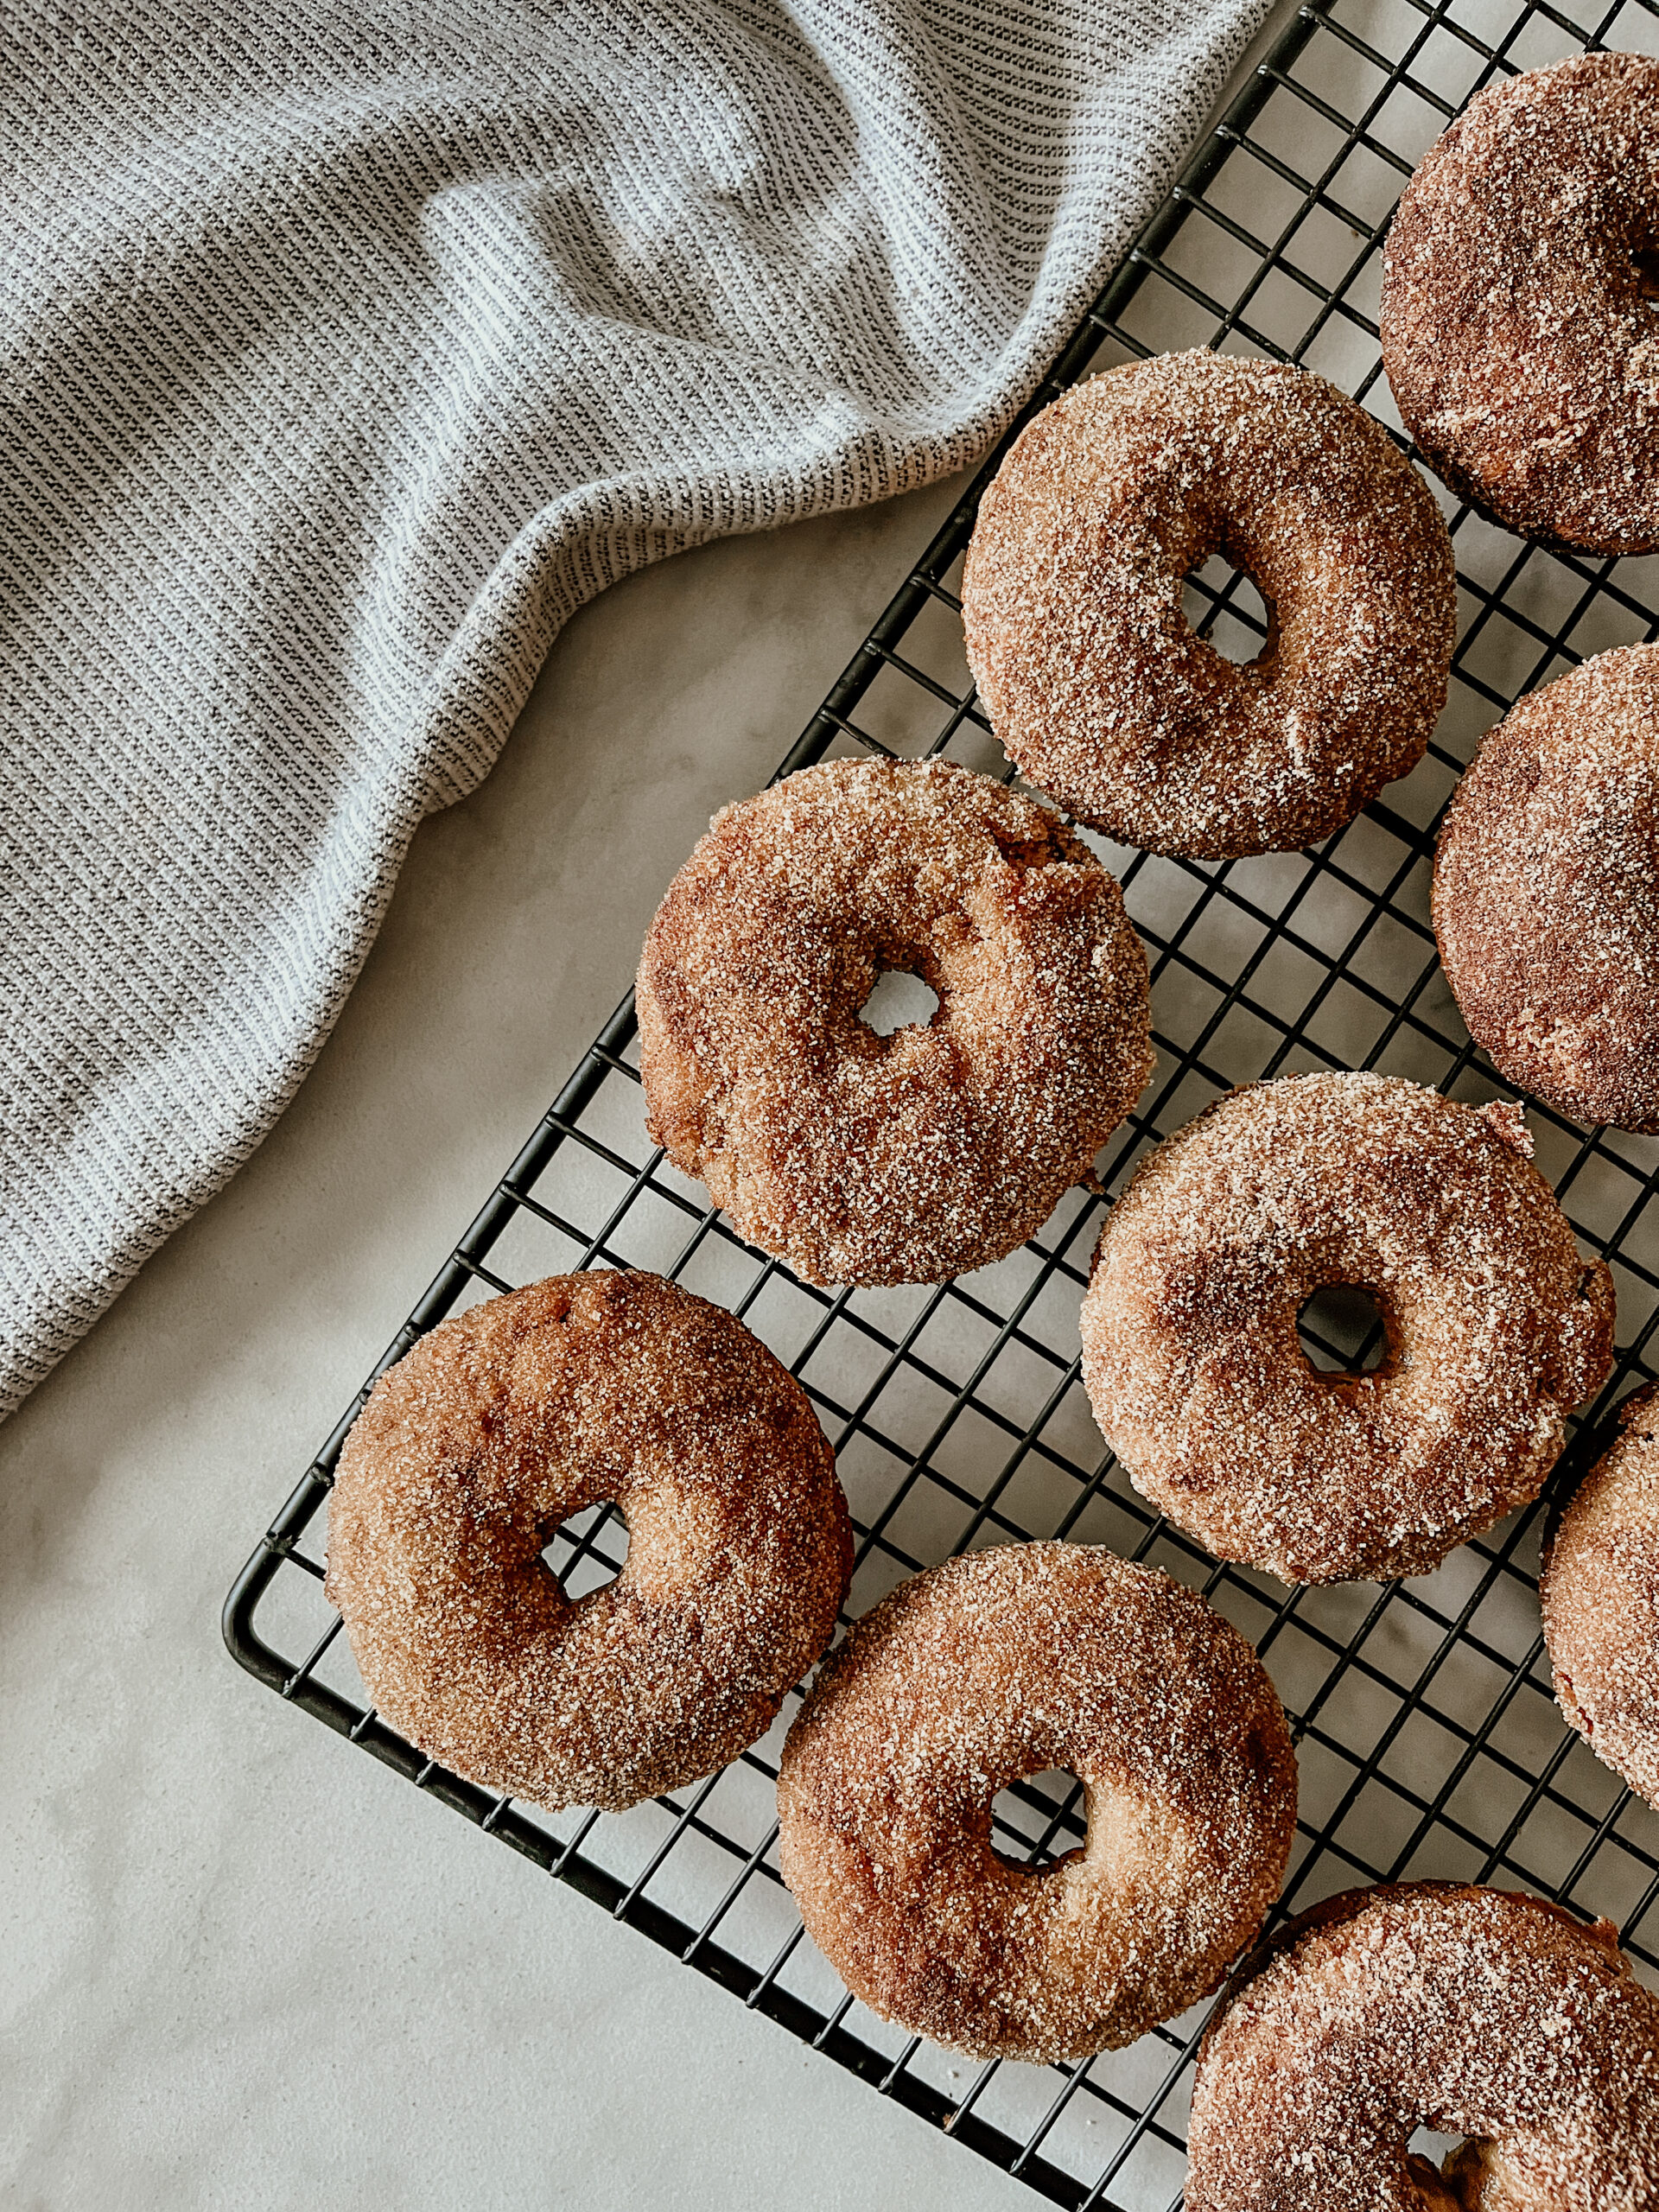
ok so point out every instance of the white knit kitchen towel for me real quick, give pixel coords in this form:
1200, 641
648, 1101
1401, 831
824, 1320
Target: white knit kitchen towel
347, 349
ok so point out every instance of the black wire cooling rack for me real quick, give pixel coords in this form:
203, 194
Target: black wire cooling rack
1429, 1740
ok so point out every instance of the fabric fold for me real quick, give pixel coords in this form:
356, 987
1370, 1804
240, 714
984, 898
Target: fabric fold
346, 353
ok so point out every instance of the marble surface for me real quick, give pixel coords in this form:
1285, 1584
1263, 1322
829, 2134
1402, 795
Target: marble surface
243, 1964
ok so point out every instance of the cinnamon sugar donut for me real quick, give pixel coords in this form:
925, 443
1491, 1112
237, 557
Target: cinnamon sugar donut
501, 1425
1495, 1327
1520, 310
903, 1159
1096, 684
1600, 1593
1471, 2011
998, 1665
1547, 891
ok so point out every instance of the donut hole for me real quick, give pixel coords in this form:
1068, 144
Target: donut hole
1645, 255
1038, 1819
1342, 1330
1439, 2163
898, 999
589, 1551
1227, 609
1024, 853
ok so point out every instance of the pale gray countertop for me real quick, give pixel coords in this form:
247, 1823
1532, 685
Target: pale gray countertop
245, 1965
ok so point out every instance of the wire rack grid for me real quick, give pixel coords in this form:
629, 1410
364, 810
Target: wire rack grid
1429, 1740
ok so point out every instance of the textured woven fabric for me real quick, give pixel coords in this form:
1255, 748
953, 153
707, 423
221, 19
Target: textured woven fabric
348, 350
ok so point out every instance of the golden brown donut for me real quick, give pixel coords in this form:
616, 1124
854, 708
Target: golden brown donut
1547, 891
1095, 681
903, 1159
1497, 1328
1001, 1664
1600, 1593
1471, 2011
1520, 306
498, 1428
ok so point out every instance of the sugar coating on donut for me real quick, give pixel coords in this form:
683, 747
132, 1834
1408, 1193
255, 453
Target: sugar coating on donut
1001, 1664
1096, 684
1547, 891
1520, 309
1472, 2012
904, 1158
501, 1425
1600, 1593
1496, 1327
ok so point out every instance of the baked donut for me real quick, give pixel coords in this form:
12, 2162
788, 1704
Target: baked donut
864, 1159
1496, 1326
998, 1665
502, 1424
1095, 681
1471, 2012
1520, 310
1600, 1593
1547, 891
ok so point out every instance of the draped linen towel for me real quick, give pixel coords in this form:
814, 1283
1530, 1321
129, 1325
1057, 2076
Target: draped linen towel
348, 349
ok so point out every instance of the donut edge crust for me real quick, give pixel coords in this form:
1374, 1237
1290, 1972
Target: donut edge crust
883, 1951
908, 1228
1515, 994
1014, 605
1417, 366
1566, 1377
1594, 1589
1476, 2174
443, 1440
